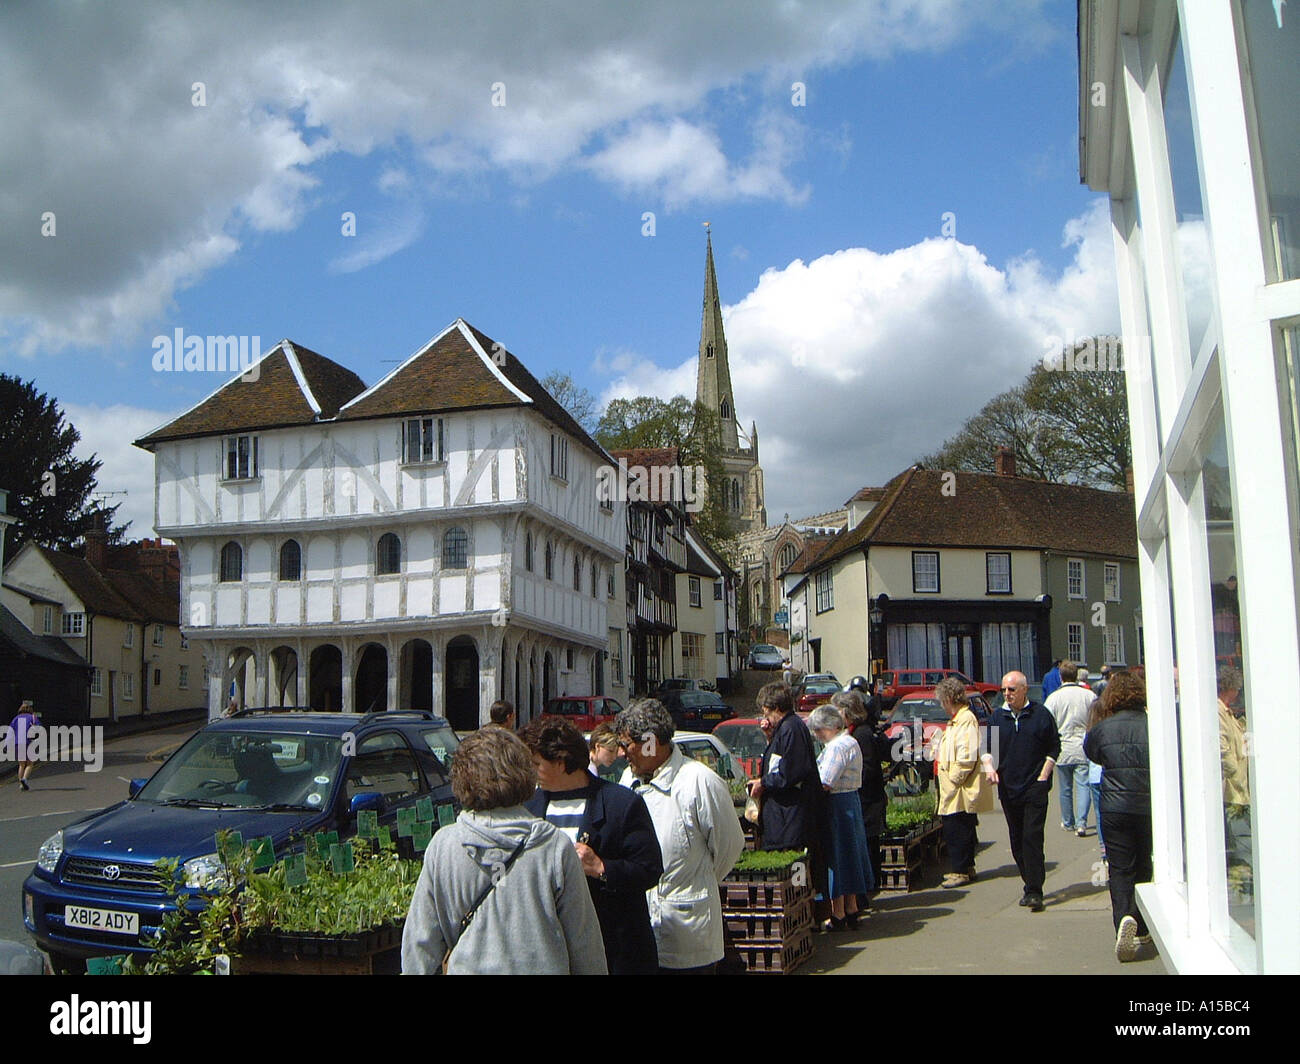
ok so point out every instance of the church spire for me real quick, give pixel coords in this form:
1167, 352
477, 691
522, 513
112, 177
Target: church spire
713, 379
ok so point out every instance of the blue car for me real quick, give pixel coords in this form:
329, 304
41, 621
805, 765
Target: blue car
96, 889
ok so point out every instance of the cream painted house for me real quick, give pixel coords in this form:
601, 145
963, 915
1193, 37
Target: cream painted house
435, 541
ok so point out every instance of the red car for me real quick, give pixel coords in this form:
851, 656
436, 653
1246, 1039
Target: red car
812, 693
746, 741
922, 711
899, 683
586, 711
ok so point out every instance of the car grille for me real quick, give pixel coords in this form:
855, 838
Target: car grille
92, 871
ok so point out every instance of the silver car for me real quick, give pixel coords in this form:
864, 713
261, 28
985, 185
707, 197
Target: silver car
765, 656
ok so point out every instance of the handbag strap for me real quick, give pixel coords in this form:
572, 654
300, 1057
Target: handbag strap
469, 916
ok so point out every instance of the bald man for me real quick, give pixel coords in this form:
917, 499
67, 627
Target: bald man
1027, 746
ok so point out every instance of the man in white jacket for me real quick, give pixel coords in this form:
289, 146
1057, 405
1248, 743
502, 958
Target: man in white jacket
1070, 705
698, 831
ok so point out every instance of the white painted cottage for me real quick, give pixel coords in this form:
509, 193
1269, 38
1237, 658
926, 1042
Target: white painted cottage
433, 542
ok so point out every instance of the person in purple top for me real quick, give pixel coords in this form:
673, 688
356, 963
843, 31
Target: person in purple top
22, 724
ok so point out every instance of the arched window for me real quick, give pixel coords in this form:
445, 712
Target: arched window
455, 549
726, 410
735, 495
528, 552
577, 572
595, 577
788, 555
389, 559
291, 561
232, 563
550, 561
708, 351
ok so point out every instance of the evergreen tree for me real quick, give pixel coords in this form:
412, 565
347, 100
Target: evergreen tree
49, 489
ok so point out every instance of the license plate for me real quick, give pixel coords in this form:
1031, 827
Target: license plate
101, 920
713, 716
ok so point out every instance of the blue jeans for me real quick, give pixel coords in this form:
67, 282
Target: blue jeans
1076, 795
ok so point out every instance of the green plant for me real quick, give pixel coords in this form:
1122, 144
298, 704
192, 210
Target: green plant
376, 893
768, 860
903, 814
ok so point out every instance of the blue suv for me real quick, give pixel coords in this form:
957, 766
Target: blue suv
96, 889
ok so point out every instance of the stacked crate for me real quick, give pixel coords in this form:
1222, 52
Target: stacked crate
904, 857
769, 918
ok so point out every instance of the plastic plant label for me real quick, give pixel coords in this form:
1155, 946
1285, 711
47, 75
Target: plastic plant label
424, 810
341, 859
324, 840
440, 752
420, 835
405, 820
367, 823
385, 836
233, 847
295, 870
263, 853
105, 965
446, 815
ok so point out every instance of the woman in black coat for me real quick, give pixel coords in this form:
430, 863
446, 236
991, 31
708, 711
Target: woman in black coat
1117, 741
615, 838
870, 735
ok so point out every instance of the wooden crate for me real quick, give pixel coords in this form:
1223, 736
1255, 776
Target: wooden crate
746, 926
770, 895
776, 958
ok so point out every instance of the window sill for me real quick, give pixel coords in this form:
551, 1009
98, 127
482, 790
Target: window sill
559, 479
241, 480
1006, 593
431, 463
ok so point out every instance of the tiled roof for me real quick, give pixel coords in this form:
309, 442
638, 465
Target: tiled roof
462, 369
115, 592
922, 507
294, 386
814, 548
49, 647
867, 495
647, 457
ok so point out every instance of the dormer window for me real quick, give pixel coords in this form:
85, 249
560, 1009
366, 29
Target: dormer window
423, 440
241, 457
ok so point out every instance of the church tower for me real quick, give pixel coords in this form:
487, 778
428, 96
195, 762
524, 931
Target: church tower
743, 486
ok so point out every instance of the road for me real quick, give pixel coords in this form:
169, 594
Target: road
61, 794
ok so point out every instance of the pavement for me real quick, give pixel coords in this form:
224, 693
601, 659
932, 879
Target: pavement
981, 929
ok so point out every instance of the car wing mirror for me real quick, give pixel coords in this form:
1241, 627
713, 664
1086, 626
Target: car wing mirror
366, 800
136, 785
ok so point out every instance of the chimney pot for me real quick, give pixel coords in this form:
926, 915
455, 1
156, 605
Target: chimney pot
1005, 462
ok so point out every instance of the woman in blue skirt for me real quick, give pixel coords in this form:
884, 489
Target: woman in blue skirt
840, 768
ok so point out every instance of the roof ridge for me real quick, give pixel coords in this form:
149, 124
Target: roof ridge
291, 355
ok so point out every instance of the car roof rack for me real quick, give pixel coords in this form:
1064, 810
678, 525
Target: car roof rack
252, 710
405, 714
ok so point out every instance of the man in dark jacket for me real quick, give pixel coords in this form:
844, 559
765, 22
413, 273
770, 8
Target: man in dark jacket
1027, 748
788, 785
614, 835
1118, 743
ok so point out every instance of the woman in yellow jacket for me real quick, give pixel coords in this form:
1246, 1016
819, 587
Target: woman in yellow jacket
964, 791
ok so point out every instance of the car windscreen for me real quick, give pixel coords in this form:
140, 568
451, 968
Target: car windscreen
763, 648
570, 707
248, 768
926, 710
821, 688
744, 740
442, 742
695, 699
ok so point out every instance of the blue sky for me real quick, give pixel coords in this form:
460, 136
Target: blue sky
850, 317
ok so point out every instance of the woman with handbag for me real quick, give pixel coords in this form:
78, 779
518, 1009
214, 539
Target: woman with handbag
964, 791
501, 892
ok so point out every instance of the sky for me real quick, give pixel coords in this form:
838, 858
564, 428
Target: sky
898, 223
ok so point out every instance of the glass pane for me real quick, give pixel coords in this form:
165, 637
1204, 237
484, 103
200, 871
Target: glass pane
1193, 237
1233, 710
1273, 50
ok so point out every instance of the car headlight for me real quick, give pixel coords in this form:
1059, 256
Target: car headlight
205, 873
47, 857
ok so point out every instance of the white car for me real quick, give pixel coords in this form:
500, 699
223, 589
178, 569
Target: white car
765, 656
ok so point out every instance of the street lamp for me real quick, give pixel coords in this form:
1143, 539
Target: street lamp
877, 617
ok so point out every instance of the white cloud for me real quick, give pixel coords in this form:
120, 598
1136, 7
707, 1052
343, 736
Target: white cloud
107, 432
151, 191
875, 358
379, 237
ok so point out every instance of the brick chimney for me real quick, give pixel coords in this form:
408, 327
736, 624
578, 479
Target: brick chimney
1005, 462
97, 543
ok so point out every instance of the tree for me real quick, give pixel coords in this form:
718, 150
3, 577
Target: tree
49, 489
579, 402
696, 431
1068, 425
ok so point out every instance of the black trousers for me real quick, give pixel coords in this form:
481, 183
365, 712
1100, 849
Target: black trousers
1025, 819
1128, 852
959, 836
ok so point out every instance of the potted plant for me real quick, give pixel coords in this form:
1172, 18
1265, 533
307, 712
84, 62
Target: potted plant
767, 909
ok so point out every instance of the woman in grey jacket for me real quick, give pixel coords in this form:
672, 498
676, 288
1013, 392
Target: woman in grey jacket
536, 916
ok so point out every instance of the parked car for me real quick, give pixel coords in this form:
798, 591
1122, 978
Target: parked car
897, 683
746, 741
683, 683
810, 694
922, 710
708, 749
820, 677
96, 888
587, 712
697, 710
765, 656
